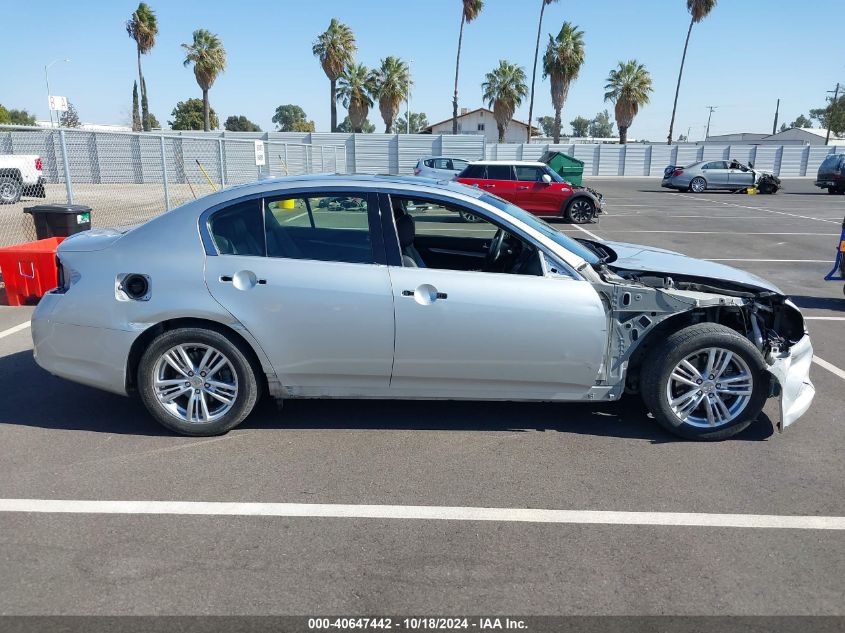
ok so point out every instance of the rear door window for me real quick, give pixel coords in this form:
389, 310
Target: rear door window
499, 172
332, 227
473, 171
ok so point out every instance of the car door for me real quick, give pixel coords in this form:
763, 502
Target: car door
740, 176
533, 194
500, 181
716, 174
473, 334
309, 283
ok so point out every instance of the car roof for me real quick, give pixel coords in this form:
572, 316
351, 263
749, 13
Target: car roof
466, 160
522, 163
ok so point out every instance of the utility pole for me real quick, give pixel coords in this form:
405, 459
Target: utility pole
830, 112
775, 124
707, 133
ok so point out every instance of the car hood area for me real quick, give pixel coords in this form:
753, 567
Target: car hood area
649, 259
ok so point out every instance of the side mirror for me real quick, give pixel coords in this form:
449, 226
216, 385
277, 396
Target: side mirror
546, 179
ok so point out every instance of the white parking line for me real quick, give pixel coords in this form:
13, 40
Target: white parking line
829, 366
583, 230
13, 330
823, 318
805, 261
742, 206
718, 232
443, 513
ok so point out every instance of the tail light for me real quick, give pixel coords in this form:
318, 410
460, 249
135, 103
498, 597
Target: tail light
39, 166
837, 172
677, 172
417, 171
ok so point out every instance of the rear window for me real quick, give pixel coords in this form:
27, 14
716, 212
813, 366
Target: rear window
472, 171
831, 162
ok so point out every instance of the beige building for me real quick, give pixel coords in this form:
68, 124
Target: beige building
482, 122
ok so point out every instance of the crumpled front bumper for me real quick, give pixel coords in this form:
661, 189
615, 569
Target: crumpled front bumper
792, 372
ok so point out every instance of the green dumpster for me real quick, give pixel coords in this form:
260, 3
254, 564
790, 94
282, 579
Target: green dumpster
569, 168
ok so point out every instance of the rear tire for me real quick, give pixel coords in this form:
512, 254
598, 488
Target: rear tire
10, 190
197, 382
688, 399
698, 185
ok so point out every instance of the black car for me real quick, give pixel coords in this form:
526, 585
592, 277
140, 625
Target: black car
832, 174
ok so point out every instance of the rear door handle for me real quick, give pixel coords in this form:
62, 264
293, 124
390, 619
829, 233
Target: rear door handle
522, 187
439, 295
488, 186
227, 279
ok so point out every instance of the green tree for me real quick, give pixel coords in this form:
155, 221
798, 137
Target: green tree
783, 127
682, 138
581, 126
543, 5
190, 115
208, 56
136, 114
70, 118
142, 26
355, 87
418, 123
547, 123
601, 126
698, 9
391, 85
346, 126
561, 64
469, 11
16, 117
504, 88
154, 124
240, 124
335, 48
832, 116
628, 86
291, 118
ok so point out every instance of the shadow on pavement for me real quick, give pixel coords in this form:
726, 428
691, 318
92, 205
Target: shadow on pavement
820, 303
35, 398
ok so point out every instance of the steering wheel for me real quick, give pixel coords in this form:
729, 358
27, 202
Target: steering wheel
496, 248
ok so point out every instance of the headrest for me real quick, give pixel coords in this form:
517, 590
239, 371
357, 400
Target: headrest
406, 229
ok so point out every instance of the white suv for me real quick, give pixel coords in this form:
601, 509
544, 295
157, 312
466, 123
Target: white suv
20, 174
440, 167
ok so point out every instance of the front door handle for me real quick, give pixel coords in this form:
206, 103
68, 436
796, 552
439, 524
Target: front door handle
425, 294
488, 186
522, 187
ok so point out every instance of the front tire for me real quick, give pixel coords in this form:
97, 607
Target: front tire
580, 211
10, 190
197, 382
705, 382
698, 185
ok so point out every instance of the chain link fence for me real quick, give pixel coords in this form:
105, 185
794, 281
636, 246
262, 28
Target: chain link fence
128, 178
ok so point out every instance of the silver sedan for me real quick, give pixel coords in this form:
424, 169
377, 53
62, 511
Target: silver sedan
718, 174
261, 289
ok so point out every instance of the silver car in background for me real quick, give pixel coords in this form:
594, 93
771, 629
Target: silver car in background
718, 174
260, 289
439, 167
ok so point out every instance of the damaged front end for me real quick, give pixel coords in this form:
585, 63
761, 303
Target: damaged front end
644, 307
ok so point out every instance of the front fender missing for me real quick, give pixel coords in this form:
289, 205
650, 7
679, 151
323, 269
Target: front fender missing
791, 370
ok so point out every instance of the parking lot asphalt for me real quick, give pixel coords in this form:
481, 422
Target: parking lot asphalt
63, 441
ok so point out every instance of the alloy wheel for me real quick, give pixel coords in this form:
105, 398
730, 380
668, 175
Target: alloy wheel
710, 387
581, 211
698, 185
195, 382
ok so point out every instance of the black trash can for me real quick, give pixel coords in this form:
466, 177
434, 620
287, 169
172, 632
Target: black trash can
59, 220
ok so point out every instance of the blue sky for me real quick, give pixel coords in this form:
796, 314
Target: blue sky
742, 58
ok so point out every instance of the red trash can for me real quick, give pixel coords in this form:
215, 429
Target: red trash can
29, 270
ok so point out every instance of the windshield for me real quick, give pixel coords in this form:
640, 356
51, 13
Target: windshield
542, 227
556, 177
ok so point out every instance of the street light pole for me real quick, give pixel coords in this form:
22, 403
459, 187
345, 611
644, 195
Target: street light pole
47, 80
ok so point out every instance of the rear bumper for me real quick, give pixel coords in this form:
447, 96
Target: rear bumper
92, 356
826, 183
792, 372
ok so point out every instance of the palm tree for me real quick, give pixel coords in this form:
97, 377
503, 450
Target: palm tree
470, 11
504, 89
208, 56
355, 87
142, 27
391, 83
699, 9
628, 86
543, 4
335, 49
562, 62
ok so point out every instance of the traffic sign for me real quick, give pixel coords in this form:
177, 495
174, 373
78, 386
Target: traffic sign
260, 159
